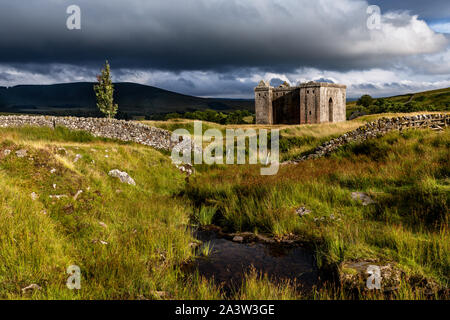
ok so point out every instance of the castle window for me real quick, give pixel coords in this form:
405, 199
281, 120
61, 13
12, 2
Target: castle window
307, 91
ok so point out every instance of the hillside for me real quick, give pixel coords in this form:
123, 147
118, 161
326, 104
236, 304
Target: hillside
133, 99
134, 241
433, 100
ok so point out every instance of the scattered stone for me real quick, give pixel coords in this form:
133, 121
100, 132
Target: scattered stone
77, 157
99, 241
31, 287
302, 211
53, 170
123, 176
186, 168
75, 197
6, 152
21, 153
58, 196
54, 186
34, 196
103, 224
238, 239
363, 197
62, 150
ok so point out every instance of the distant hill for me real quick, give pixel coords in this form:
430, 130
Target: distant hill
133, 99
434, 100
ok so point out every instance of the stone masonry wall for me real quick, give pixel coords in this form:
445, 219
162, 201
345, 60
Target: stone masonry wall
378, 128
101, 127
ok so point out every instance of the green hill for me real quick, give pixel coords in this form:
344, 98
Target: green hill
434, 100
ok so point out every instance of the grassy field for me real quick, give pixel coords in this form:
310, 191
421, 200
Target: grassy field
131, 241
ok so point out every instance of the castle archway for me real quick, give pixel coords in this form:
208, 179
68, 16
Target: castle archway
330, 110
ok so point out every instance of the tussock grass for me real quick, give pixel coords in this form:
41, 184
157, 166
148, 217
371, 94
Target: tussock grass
405, 173
131, 241
127, 240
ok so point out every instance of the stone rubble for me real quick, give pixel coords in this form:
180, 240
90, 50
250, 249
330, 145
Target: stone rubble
362, 197
302, 211
21, 153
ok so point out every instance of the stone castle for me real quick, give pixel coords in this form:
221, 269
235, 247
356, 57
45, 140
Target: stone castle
312, 102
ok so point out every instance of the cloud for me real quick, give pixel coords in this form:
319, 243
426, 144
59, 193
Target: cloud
442, 27
212, 34
222, 48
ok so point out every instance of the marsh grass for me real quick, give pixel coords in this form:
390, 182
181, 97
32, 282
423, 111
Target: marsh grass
408, 223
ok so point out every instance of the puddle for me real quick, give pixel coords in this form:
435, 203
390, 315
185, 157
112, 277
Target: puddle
229, 261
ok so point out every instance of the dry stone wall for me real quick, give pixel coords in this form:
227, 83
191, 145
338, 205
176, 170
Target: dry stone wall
379, 128
101, 127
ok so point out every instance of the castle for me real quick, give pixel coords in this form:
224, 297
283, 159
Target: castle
312, 102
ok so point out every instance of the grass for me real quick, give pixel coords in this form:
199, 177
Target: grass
132, 241
127, 240
407, 225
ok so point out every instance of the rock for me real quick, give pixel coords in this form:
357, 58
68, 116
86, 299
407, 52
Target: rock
34, 196
57, 196
6, 152
31, 287
75, 197
21, 153
103, 224
185, 168
363, 197
77, 157
53, 170
238, 239
302, 211
123, 176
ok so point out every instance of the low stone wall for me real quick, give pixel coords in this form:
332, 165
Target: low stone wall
379, 128
100, 127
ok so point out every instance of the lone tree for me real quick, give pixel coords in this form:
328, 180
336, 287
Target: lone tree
104, 92
365, 101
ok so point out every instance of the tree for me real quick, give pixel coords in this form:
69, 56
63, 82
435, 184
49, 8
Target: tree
365, 101
104, 92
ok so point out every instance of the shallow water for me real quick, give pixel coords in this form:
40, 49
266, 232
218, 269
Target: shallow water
229, 261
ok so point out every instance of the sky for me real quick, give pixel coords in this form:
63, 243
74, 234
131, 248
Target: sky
223, 48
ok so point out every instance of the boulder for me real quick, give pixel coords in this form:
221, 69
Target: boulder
123, 176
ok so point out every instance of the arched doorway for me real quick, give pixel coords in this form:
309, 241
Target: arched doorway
330, 110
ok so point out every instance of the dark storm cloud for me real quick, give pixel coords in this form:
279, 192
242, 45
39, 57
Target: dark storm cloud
201, 35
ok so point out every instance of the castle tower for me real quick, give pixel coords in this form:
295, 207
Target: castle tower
263, 103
